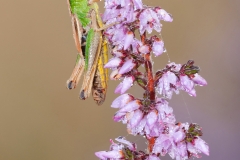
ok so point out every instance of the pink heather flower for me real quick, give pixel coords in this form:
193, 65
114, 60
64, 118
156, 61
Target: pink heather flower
139, 128
157, 48
176, 67
121, 10
125, 85
112, 63
162, 144
179, 151
117, 53
116, 150
188, 85
166, 83
138, 4
198, 147
150, 124
163, 15
136, 118
127, 66
155, 118
178, 136
119, 116
201, 145
131, 106
144, 49
122, 101
118, 34
110, 14
128, 40
131, 146
152, 118
135, 45
111, 3
197, 79
104, 155
127, 13
149, 21
165, 113
123, 150
153, 157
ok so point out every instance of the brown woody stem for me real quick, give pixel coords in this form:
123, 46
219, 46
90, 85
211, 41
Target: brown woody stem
148, 68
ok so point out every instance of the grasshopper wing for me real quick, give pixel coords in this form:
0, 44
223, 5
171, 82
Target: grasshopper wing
92, 52
99, 89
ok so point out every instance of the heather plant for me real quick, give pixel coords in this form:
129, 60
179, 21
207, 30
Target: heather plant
149, 116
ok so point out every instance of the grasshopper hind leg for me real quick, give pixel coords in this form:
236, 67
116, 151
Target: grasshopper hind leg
76, 74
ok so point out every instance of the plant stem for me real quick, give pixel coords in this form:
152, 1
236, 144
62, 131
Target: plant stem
148, 68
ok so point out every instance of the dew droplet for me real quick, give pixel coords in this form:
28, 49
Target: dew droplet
164, 50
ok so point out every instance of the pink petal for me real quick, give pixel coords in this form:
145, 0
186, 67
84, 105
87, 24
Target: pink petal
186, 83
119, 116
155, 131
178, 136
131, 146
172, 78
140, 126
182, 149
128, 40
202, 146
162, 144
100, 154
125, 85
193, 150
137, 117
121, 101
153, 157
138, 4
127, 66
151, 118
197, 79
164, 15
109, 154
112, 63
157, 48
176, 68
118, 88
144, 49
192, 93
131, 106
117, 53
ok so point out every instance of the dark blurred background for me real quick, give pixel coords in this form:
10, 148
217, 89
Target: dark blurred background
41, 120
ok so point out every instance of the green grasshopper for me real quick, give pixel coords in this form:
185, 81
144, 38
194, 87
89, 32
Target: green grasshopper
92, 51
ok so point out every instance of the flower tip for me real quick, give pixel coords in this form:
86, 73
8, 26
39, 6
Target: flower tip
127, 66
100, 154
192, 93
118, 88
114, 62
199, 80
128, 40
121, 101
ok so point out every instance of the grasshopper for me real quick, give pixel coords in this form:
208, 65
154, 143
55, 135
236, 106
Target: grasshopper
92, 50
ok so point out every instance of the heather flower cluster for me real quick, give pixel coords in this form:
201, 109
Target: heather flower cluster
149, 116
